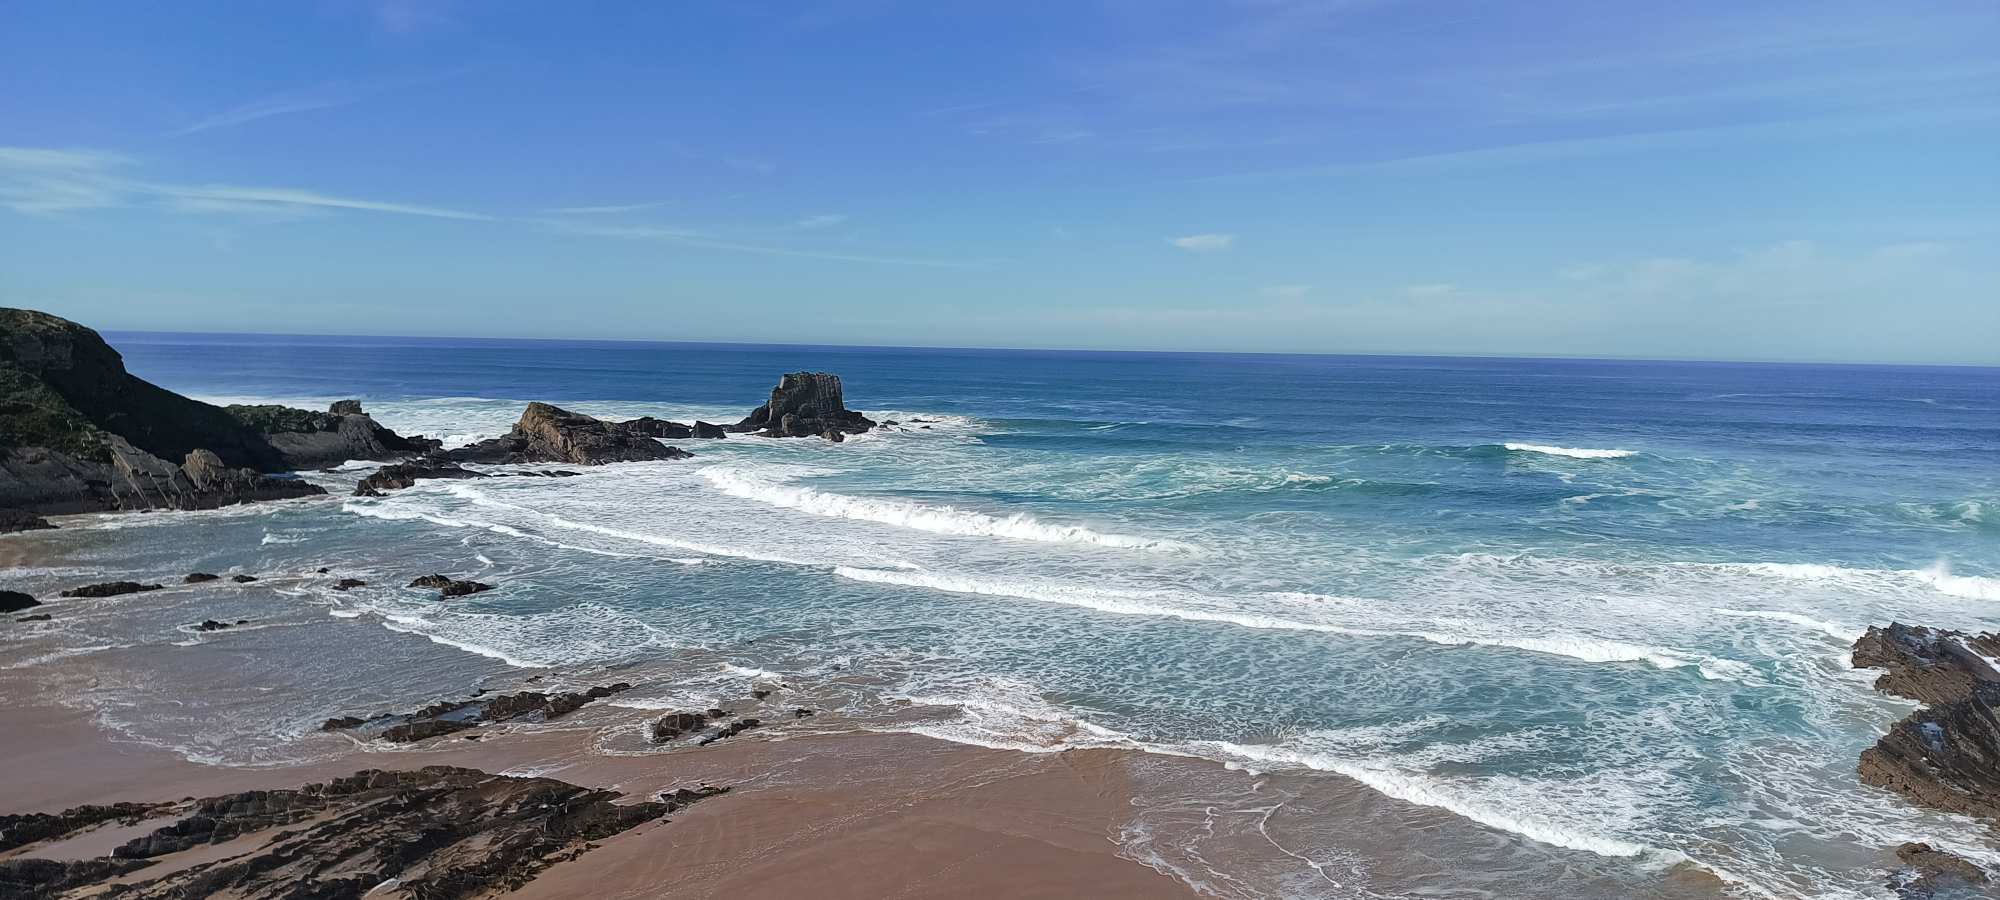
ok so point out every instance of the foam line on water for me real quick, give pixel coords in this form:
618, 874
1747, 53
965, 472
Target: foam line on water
1198, 609
1571, 452
1847, 635
918, 516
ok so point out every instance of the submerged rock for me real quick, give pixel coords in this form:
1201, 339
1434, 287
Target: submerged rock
458, 715
1930, 872
449, 587
1945, 755
12, 520
805, 404
674, 725
401, 475
110, 589
243, 579
438, 832
15, 601
729, 731
546, 434
38, 617
199, 577
349, 584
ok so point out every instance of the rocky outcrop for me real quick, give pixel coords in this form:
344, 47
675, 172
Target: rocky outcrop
199, 577
110, 589
729, 731
440, 833
673, 725
805, 404
706, 431
547, 434
402, 475
448, 717
15, 601
80, 434
449, 587
1946, 755
1932, 874
310, 440
12, 520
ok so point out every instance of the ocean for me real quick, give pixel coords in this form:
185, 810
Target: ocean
1598, 608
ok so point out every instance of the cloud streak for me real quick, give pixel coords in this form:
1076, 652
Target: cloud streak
1204, 243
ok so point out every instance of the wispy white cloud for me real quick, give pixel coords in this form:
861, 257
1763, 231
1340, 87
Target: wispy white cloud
601, 210
329, 95
690, 238
823, 220
1204, 243
40, 180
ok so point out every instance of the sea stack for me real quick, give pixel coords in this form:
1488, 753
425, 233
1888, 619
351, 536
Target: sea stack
805, 404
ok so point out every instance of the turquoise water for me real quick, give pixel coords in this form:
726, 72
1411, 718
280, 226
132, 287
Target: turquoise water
1598, 607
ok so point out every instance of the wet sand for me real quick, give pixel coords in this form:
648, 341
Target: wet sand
855, 815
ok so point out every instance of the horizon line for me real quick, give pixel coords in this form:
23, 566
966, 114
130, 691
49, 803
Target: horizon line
1084, 350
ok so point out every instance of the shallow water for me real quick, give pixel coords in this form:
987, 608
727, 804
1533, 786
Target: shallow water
1599, 608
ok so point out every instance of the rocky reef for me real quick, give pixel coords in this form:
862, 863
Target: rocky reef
447, 717
15, 601
551, 434
439, 832
78, 433
1946, 755
805, 404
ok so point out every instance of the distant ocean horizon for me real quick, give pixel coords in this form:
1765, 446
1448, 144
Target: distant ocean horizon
1599, 607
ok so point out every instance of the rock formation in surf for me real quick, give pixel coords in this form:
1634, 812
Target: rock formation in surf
12, 520
1933, 874
78, 433
1946, 755
551, 434
15, 601
437, 832
451, 716
805, 404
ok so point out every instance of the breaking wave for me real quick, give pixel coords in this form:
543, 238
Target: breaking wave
1571, 452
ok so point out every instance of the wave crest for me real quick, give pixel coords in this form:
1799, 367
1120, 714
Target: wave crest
1571, 452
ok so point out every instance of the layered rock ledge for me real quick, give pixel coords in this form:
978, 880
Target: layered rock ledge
1946, 755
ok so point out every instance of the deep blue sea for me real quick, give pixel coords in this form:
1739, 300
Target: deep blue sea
1601, 608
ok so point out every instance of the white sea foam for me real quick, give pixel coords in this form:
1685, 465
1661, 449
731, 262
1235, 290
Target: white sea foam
1195, 608
1970, 587
1571, 452
922, 517
1845, 634
1424, 790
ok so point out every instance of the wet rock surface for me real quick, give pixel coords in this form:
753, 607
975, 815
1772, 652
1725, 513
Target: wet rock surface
12, 520
110, 589
15, 601
1933, 874
449, 587
1946, 755
447, 717
551, 434
805, 404
309, 440
402, 475
199, 577
437, 833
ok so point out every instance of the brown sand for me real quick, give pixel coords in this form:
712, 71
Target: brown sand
844, 815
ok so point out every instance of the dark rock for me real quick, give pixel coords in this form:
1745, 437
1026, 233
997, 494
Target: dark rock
705, 430
110, 589
717, 713
1932, 872
805, 404
322, 570
348, 583
31, 828
401, 475
243, 579
211, 625
15, 601
34, 879
38, 617
449, 587
1945, 755
656, 428
452, 716
346, 408
548, 433
760, 693
198, 577
80, 434
12, 520
441, 832
676, 724
803, 713
729, 731
308, 440
682, 798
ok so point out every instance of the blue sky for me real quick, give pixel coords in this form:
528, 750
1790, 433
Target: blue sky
1815, 180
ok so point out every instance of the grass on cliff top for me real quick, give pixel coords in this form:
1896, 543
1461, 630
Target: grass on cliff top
33, 415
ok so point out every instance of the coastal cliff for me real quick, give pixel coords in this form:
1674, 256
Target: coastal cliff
805, 404
78, 433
